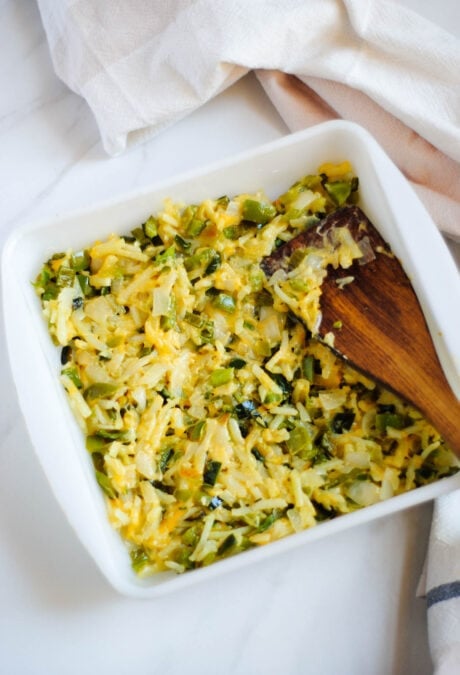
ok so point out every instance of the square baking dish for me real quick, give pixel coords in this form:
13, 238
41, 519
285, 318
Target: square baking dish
387, 199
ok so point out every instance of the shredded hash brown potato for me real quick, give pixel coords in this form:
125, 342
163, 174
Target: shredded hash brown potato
215, 421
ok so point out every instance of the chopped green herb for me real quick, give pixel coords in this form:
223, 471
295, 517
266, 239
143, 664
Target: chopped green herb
150, 227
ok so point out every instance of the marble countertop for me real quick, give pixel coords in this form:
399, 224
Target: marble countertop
345, 604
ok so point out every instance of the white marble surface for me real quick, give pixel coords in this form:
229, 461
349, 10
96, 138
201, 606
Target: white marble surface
345, 605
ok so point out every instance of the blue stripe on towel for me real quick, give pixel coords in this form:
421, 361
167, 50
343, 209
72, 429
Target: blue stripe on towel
443, 592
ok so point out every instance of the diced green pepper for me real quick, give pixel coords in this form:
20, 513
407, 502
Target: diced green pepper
237, 363
232, 232
43, 277
245, 409
221, 376
223, 202
111, 434
72, 374
211, 471
99, 390
256, 279
159, 485
169, 321
195, 227
165, 458
85, 285
264, 299
269, 520
342, 421
106, 485
197, 431
193, 319
182, 243
66, 354
227, 544
273, 398
51, 291
388, 419
196, 260
225, 302
258, 455
300, 443
258, 212
299, 285
214, 265
297, 257
65, 277
139, 558
80, 261
167, 256
308, 368
140, 236
207, 332
191, 536
94, 443
339, 191
282, 382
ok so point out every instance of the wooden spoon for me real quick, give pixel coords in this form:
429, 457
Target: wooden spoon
383, 330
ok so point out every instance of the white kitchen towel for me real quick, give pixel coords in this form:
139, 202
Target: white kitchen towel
144, 64
441, 585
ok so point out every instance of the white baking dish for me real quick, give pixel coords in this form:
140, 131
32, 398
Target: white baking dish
389, 202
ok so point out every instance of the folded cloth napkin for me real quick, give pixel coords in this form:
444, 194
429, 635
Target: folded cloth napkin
144, 64
440, 584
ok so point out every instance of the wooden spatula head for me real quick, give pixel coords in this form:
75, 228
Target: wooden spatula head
383, 330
